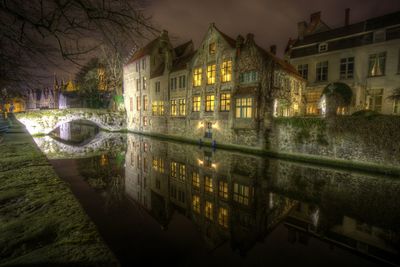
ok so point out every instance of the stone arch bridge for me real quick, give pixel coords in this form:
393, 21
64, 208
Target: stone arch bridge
45, 121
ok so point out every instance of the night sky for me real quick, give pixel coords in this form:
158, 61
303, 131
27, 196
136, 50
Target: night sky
272, 21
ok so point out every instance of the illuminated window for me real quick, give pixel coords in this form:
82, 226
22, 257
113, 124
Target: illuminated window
197, 77
144, 83
182, 172
212, 48
303, 70
208, 210
196, 203
173, 108
182, 107
223, 189
196, 103
322, 71
241, 194
196, 179
145, 121
174, 167
396, 107
131, 104
210, 102
211, 72
347, 68
377, 64
244, 107
226, 71
158, 165
138, 103
225, 102
223, 217
145, 102
157, 108
208, 186
158, 87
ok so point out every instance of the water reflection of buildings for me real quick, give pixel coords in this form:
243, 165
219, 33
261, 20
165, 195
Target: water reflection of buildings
239, 199
76, 132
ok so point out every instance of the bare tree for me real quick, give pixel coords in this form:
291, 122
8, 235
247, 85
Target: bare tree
35, 34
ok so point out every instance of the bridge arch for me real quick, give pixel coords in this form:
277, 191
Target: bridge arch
45, 121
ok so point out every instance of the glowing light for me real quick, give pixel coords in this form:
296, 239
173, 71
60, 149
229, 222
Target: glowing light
275, 107
214, 165
200, 162
322, 105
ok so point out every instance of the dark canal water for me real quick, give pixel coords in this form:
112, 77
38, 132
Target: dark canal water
160, 202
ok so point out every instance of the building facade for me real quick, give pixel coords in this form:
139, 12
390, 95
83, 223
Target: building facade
227, 90
363, 55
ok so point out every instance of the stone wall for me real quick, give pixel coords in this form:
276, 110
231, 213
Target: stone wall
363, 139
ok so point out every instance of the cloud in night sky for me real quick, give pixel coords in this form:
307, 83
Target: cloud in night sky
272, 21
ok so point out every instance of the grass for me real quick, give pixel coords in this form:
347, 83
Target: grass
41, 223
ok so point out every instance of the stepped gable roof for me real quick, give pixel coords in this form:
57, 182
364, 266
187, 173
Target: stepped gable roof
282, 63
146, 50
359, 27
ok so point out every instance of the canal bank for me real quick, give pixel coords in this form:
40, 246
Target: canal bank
42, 223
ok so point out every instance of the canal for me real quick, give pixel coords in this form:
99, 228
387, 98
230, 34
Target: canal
161, 202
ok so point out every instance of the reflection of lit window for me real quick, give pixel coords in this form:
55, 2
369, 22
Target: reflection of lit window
145, 146
226, 71
196, 103
223, 189
182, 172
145, 121
241, 194
223, 217
208, 209
158, 165
196, 179
208, 186
211, 71
145, 102
173, 169
197, 77
196, 203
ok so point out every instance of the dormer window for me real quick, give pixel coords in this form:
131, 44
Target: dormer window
212, 48
323, 47
379, 36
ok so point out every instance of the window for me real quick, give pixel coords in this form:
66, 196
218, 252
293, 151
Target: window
374, 99
173, 108
144, 83
398, 64
145, 102
182, 172
323, 47
211, 71
196, 179
312, 99
223, 189
244, 107
182, 107
143, 63
376, 66
197, 77
248, 77
241, 194
131, 104
158, 165
173, 83
196, 103
144, 121
174, 166
182, 81
322, 71
137, 66
225, 102
208, 210
211, 48
138, 103
303, 70
138, 84
226, 71
157, 108
208, 186
196, 203
210, 102
223, 217
396, 106
158, 87
347, 68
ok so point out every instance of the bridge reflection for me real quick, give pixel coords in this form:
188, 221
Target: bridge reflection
239, 199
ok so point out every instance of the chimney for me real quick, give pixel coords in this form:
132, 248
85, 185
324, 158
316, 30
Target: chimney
272, 49
239, 44
315, 17
301, 29
347, 17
